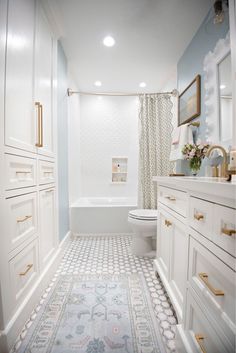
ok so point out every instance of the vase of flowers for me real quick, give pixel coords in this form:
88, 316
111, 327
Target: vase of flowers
195, 153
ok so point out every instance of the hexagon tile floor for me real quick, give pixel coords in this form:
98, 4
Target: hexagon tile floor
103, 254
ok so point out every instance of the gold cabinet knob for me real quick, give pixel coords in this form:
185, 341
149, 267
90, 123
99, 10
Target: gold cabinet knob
167, 223
171, 198
198, 216
228, 232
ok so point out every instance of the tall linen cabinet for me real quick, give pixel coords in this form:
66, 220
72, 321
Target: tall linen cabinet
28, 180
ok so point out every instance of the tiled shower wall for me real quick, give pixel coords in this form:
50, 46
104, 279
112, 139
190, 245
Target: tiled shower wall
108, 127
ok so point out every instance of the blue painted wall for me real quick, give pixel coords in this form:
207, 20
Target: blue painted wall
62, 136
191, 63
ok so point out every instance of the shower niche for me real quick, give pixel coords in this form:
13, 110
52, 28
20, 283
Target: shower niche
119, 170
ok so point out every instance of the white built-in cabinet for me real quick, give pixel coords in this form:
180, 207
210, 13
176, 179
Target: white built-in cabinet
28, 179
29, 79
44, 83
196, 257
20, 123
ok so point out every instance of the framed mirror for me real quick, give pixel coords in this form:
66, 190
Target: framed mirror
218, 94
225, 87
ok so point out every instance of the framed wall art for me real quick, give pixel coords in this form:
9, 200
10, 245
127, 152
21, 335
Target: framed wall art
190, 102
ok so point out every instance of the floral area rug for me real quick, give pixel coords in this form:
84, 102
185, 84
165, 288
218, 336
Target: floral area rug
95, 314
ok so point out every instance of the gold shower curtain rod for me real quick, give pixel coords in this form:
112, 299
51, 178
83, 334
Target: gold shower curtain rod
70, 92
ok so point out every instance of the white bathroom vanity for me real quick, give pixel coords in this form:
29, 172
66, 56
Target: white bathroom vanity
196, 251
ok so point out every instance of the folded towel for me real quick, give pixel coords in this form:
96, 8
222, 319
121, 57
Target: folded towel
176, 135
185, 136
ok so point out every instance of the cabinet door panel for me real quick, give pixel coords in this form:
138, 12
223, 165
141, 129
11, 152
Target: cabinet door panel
19, 109
179, 261
43, 79
47, 224
163, 243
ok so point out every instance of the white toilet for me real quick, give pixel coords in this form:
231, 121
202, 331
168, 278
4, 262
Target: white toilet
144, 226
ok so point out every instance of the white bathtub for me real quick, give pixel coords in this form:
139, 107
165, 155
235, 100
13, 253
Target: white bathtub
101, 215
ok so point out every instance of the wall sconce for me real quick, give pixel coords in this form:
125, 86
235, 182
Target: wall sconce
219, 11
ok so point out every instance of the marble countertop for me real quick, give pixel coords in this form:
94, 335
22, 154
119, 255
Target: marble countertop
207, 185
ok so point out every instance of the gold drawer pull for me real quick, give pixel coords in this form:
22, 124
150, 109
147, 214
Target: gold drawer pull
23, 219
171, 198
40, 124
26, 271
198, 216
22, 172
199, 339
204, 278
48, 191
229, 232
167, 223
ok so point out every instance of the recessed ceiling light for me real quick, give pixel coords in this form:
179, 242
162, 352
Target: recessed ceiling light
222, 86
109, 41
142, 84
98, 83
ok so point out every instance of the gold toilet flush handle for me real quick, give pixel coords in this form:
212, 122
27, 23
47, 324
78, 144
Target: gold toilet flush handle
228, 232
199, 339
204, 277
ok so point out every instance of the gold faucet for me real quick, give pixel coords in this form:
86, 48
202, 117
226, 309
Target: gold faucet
224, 167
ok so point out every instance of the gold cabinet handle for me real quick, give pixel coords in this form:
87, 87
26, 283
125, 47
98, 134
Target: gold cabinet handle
40, 124
198, 216
228, 232
171, 198
167, 223
22, 172
20, 220
199, 339
204, 278
26, 271
48, 191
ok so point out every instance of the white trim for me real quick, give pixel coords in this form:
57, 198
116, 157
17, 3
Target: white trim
210, 67
100, 234
232, 14
65, 240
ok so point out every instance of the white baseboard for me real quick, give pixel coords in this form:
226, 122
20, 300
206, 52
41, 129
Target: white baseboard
100, 234
9, 335
65, 240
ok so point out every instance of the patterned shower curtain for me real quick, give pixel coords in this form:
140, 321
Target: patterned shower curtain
155, 128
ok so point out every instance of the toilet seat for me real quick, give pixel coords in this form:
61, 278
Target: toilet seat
143, 214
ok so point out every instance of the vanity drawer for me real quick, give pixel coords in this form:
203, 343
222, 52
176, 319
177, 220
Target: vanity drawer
46, 172
201, 329
23, 269
224, 227
19, 172
201, 216
174, 199
21, 219
215, 284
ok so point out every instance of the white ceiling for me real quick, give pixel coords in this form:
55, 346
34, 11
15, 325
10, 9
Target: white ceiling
151, 35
